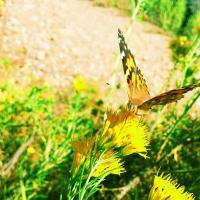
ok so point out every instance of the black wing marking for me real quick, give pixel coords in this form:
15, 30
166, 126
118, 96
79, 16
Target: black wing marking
167, 97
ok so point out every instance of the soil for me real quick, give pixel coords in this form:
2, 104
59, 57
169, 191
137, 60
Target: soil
55, 41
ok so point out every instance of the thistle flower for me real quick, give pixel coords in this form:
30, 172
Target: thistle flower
165, 188
125, 129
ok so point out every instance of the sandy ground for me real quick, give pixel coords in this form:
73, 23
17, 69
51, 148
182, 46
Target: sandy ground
57, 40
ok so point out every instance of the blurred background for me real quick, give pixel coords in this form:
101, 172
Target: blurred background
60, 70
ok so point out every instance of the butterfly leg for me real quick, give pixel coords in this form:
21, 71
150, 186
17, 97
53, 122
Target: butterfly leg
133, 108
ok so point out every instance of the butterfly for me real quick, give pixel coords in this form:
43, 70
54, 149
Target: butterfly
138, 92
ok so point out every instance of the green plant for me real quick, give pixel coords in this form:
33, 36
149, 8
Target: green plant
192, 27
53, 145
165, 13
36, 126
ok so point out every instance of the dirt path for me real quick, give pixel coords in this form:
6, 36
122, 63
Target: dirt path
56, 40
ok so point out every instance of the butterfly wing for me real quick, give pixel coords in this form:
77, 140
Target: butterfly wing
167, 97
138, 91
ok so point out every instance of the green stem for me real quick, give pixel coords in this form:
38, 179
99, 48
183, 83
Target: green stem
88, 179
171, 130
188, 61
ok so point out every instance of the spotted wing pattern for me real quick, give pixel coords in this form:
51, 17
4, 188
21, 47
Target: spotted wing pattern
167, 97
137, 88
138, 91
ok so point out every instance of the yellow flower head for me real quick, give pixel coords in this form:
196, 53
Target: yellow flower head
183, 40
84, 146
109, 164
31, 150
79, 84
164, 188
106, 163
78, 161
125, 129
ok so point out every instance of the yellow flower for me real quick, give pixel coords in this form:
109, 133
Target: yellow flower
79, 84
125, 129
33, 153
164, 188
78, 160
183, 40
105, 164
83, 146
109, 164
31, 150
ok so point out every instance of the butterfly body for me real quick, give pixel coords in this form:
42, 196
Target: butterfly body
138, 93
